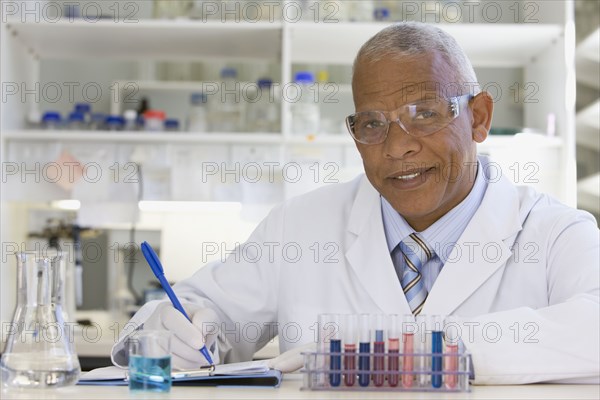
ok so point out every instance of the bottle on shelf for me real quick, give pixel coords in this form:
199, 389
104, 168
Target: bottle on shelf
115, 123
130, 117
154, 120
305, 106
361, 11
197, 116
51, 120
227, 107
263, 113
76, 121
86, 110
172, 125
97, 121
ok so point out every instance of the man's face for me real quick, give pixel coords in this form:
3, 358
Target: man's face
422, 177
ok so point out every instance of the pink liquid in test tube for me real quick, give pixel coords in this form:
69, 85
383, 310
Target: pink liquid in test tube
409, 347
393, 361
451, 365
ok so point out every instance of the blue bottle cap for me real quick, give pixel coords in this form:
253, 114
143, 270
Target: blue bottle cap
198, 98
228, 72
171, 123
381, 14
304, 77
115, 120
51, 116
76, 117
83, 108
265, 83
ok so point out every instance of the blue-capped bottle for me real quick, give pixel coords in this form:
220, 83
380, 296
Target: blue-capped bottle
115, 123
51, 120
197, 119
227, 107
76, 121
263, 112
306, 114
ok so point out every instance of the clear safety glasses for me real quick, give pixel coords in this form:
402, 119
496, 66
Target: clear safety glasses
417, 119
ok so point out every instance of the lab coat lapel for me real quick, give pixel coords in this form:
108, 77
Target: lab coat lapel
483, 248
368, 255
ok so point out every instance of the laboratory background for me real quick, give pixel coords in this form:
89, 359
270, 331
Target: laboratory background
182, 123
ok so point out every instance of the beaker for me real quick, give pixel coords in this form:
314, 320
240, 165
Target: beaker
39, 351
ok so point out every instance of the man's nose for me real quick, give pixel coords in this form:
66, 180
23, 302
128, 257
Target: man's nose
399, 143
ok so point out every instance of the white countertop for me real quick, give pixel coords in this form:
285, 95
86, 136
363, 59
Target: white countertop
290, 389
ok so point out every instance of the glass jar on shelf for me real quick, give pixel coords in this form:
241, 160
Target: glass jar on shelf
51, 120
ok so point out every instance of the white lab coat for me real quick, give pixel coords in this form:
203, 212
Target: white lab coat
523, 278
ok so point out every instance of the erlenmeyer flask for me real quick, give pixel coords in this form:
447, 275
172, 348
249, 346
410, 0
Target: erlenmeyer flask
39, 351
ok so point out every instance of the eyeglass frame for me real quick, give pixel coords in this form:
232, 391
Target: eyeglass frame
454, 102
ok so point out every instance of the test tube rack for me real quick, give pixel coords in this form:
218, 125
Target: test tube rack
387, 372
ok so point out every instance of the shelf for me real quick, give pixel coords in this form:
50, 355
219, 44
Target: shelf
150, 39
142, 137
588, 126
248, 138
588, 192
505, 45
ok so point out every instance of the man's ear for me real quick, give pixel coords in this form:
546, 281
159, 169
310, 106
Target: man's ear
483, 108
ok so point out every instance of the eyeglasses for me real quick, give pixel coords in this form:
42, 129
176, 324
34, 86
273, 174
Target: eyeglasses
418, 119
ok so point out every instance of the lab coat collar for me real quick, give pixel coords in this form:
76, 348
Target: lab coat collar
368, 254
482, 249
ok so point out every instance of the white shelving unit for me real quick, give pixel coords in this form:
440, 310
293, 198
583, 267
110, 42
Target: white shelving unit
541, 50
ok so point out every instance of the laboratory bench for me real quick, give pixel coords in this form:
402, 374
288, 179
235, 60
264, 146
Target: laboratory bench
290, 389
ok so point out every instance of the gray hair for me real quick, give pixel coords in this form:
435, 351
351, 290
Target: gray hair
412, 38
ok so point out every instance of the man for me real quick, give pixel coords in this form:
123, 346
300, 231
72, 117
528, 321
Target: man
426, 231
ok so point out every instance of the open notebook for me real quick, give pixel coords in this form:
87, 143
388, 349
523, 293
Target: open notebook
251, 373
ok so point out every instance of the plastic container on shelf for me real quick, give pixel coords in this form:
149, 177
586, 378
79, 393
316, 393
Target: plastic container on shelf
130, 117
170, 9
263, 114
197, 120
51, 120
305, 106
154, 120
97, 122
76, 121
86, 110
361, 11
227, 107
115, 123
172, 125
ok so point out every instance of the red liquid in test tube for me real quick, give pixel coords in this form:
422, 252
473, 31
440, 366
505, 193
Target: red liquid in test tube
378, 358
350, 364
393, 361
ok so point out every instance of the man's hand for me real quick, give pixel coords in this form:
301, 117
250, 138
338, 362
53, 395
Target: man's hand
292, 360
187, 337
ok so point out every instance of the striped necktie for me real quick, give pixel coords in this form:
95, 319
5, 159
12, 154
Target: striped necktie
409, 257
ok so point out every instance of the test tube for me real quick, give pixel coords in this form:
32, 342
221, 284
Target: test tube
326, 330
393, 349
436, 351
364, 349
379, 351
451, 329
350, 322
423, 349
335, 350
409, 328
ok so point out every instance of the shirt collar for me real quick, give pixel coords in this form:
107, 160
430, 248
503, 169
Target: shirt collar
446, 231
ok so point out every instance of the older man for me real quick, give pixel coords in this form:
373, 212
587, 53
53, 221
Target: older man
426, 231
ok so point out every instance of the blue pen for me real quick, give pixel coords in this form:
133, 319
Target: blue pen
159, 272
